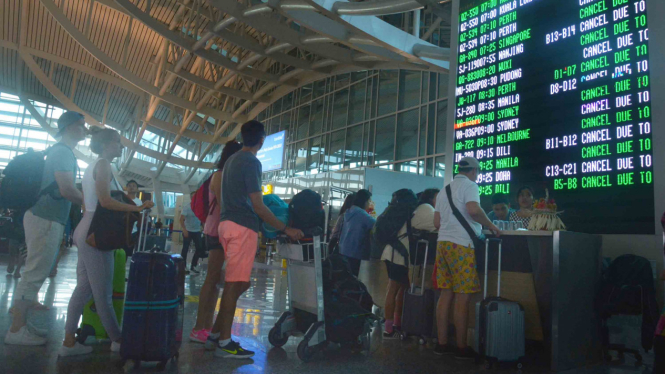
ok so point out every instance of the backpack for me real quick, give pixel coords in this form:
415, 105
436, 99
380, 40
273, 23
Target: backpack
21, 186
306, 211
390, 222
280, 209
201, 203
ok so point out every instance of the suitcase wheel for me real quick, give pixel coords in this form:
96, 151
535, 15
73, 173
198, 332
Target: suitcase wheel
275, 339
403, 336
422, 341
305, 352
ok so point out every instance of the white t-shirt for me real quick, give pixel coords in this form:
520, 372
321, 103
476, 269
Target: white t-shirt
463, 191
423, 219
138, 202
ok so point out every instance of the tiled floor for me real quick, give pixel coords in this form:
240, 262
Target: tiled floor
257, 312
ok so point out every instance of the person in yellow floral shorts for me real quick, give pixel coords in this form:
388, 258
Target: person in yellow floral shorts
456, 273
456, 268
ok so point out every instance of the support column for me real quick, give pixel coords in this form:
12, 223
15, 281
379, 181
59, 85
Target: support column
416, 23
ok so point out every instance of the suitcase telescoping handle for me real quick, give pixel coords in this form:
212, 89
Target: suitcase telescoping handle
143, 238
498, 282
422, 270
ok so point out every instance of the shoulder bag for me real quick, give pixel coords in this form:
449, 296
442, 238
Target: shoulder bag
478, 241
112, 229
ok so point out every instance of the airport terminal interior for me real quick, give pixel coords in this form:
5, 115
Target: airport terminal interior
544, 108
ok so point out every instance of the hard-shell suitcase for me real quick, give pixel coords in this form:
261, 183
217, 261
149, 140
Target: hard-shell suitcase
91, 325
499, 334
154, 306
418, 309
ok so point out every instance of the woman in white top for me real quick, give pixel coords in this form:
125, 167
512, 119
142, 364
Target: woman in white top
398, 266
94, 272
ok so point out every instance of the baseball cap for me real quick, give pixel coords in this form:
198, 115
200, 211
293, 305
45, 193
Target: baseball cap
67, 119
469, 162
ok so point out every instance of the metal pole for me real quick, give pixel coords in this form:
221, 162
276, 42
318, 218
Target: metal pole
416, 23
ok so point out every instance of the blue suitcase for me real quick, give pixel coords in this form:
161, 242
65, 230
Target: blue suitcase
499, 333
154, 307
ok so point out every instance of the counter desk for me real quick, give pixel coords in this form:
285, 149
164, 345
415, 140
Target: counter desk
565, 269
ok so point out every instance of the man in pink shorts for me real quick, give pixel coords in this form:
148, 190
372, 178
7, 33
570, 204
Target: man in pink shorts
241, 207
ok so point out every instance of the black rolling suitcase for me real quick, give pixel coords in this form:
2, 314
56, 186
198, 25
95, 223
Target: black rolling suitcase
419, 305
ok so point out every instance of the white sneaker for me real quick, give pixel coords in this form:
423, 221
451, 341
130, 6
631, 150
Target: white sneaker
23, 337
115, 347
36, 330
77, 349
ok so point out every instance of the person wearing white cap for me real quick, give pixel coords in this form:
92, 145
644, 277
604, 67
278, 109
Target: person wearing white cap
44, 225
456, 273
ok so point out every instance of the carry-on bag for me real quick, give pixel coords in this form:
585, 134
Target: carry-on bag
91, 325
499, 334
154, 306
418, 310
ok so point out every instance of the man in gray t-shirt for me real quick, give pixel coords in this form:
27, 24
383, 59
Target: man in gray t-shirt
240, 210
44, 224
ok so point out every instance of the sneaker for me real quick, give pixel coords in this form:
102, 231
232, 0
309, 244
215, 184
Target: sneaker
115, 347
77, 349
199, 336
211, 343
444, 350
194, 270
23, 337
391, 335
36, 330
466, 353
10, 268
233, 350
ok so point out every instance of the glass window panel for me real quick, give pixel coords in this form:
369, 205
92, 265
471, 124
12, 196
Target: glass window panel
340, 108
316, 120
443, 85
285, 123
354, 147
429, 166
319, 88
409, 88
306, 93
385, 140
357, 103
432, 86
287, 101
440, 166
275, 124
335, 154
407, 167
387, 91
407, 135
315, 152
300, 166
422, 137
303, 121
431, 128
277, 106
425, 87
441, 113
375, 95
342, 80
368, 98
358, 75
369, 150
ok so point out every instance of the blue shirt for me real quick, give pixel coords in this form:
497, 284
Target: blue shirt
192, 224
492, 216
355, 239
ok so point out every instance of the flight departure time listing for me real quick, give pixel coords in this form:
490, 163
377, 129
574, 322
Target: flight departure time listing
555, 94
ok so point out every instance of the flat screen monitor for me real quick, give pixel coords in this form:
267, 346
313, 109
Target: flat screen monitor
555, 95
271, 154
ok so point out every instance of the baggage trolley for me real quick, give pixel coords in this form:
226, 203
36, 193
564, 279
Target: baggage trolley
305, 283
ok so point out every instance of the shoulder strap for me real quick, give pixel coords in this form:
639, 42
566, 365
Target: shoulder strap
459, 216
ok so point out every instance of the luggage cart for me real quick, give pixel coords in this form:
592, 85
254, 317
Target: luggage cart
305, 282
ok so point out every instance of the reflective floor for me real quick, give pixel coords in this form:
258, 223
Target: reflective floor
257, 312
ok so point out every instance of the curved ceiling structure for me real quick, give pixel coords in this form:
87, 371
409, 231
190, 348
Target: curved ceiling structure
192, 71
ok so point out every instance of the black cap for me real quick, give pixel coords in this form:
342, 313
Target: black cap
67, 119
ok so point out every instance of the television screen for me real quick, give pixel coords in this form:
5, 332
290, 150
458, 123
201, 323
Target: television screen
271, 154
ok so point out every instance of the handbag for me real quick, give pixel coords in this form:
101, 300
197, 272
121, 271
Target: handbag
112, 229
478, 241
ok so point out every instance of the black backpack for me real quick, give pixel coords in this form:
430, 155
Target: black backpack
306, 211
390, 222
22, 182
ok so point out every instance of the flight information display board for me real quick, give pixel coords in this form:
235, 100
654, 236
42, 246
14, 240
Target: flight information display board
555, 94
